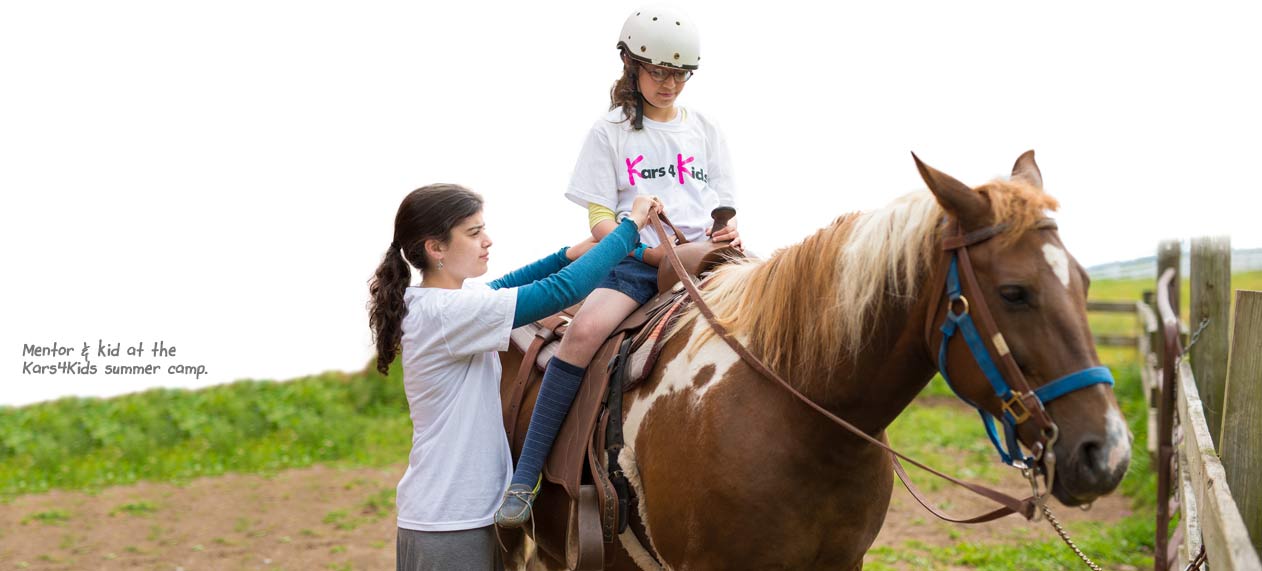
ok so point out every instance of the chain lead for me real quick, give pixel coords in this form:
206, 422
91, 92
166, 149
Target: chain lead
1064, 535
1196, 562
1196, 336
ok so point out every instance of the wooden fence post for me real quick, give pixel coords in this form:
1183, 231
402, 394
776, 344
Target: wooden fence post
1241, 448
1154, 336
1168, 252
1211, 299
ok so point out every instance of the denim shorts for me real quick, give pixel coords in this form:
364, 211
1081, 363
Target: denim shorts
634, 278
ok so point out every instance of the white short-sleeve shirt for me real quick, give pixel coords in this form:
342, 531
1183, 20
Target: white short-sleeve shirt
684, 162
460, 462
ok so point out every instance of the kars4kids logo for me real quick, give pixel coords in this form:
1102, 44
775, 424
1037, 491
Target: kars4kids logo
678, 170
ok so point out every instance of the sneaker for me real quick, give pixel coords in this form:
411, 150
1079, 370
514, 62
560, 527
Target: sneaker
516, 507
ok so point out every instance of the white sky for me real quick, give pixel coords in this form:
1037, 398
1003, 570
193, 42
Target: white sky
223, 176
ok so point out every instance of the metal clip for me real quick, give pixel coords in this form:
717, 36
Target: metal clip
1031, 475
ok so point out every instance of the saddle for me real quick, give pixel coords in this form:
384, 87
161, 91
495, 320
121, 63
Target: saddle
581, 509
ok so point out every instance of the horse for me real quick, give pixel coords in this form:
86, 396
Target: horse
734, 472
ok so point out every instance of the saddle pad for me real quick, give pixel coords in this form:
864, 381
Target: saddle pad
637, 363
524, 335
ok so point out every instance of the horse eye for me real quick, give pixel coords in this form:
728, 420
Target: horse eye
1014, 295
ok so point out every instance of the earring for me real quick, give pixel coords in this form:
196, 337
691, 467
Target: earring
440, 264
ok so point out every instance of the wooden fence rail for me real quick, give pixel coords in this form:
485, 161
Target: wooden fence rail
1114, 307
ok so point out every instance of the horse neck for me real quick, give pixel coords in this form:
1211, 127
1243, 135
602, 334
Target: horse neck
888, 374
871, 385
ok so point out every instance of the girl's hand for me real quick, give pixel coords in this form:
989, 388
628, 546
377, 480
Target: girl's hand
577, 250
644, 207
727, 234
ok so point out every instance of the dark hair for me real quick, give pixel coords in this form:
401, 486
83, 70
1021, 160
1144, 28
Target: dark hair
626, 93
427, 213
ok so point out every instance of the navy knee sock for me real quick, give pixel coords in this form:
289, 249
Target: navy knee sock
560, 384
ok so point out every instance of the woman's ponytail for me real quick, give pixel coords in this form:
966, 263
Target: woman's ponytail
387, 309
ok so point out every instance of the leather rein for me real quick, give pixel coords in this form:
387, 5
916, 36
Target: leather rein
1021, 404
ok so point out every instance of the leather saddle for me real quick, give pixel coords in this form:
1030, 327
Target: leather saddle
577, 512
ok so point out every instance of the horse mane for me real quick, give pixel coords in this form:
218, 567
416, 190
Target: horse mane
811, 303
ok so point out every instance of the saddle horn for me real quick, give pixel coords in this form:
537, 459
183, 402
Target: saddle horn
721, 215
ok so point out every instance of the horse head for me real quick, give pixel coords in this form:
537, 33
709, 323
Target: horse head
1035, 295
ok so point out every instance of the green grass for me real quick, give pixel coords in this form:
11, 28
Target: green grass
944, 437
172, 434
50, 517
135, 508
380, 504
341, 519
1127, 542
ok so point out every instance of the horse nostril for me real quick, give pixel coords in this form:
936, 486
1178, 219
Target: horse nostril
1094, 457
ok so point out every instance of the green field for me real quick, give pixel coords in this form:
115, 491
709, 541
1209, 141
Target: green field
172, 435
361, 419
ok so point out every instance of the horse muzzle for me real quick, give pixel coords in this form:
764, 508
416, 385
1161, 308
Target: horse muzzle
1092, 464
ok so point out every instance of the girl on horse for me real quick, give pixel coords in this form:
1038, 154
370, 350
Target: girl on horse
645, 144
448, 331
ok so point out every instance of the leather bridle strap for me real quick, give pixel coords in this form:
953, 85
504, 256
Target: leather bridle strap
1010, 504
915, 493
990, 333
680, 239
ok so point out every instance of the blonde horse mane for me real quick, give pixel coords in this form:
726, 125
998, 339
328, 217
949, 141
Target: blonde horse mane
810, 304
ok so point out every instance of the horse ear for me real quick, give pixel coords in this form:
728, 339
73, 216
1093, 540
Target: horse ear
1025, 169
971, 208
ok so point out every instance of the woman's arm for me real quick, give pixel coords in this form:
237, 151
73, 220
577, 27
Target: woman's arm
570, 285
534, 271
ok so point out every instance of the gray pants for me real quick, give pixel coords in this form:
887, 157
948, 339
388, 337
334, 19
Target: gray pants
470, 549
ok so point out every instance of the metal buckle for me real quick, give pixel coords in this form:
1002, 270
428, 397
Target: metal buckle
1009, 408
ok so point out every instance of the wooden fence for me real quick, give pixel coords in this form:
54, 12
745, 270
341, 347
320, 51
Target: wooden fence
1215, 399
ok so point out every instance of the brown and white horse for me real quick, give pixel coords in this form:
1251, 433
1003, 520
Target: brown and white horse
734, 473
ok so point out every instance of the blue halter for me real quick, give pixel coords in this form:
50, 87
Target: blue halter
1015, 410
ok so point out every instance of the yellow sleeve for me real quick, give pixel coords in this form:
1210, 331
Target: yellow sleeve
597, 214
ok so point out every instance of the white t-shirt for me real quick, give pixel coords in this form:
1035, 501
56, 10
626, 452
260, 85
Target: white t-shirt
460, 462
684, 162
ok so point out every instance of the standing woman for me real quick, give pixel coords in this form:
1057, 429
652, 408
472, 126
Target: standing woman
645, 144
448, 332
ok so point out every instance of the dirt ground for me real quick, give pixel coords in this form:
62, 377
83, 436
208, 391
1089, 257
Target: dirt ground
330, 518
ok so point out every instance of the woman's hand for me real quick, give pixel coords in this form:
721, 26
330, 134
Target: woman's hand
727, 234
645, 206
574, 252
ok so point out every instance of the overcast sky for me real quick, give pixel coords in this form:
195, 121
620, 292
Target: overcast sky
223, 176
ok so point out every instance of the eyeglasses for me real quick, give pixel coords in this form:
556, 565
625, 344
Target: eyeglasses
661, 74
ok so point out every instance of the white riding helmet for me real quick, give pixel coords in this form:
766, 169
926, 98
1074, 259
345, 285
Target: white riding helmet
661, 35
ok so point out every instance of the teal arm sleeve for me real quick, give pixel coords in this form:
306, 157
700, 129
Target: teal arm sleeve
567, 287
534, 271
